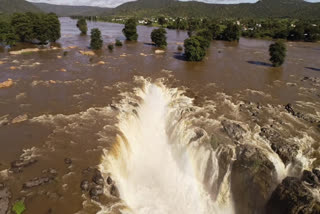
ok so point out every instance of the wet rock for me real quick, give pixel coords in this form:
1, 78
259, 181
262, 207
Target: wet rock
159, 51
97, 178
199, 133
95, 192
6, 84
253, 178
286, 151
310, 178
87, 53
4, 120
18, 165
292, 197
85, 185
67, 161
37, 182
50, 171
20, 118
289, 108
317, 173
233, 130
114, 191
109, 180
27, 50
113, 107
5, 196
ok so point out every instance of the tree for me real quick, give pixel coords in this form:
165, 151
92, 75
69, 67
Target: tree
206, 37
193, 49
22, 26
96, 39
162, 20
158, 36
82, 25
277, 53
54, 27
296, 33
130, 30
231, 33
118, 43
215, 31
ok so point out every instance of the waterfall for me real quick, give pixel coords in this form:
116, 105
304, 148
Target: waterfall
157, 169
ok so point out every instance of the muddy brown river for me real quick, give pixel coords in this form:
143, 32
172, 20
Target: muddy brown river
164, 135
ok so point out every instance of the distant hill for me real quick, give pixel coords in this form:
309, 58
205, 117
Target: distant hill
65, 10
261, 9
13, 6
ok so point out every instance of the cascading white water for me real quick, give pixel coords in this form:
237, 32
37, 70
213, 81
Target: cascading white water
154, 172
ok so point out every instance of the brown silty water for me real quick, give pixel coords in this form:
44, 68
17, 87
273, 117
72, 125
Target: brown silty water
70, 105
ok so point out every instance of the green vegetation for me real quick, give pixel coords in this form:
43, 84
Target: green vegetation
30, 27
158, 36
19, 207
130, 30
277, 53
17, 6
96, 39
162, 20
82, 25
118, 43
110, 47
261, 9
195, 48
231, 33
180, 48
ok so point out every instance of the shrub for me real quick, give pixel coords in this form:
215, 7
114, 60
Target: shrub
180, 48
130, 30
194, 50
277, 53
96, 39
118, 43
158, 36
18, 207
110, 47
82, 25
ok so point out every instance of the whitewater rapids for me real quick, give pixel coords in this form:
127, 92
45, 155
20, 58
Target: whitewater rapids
156, 169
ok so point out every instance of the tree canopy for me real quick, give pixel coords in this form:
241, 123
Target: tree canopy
158, 36
130, 30
194, 48
82, 26
96, 39
277, 53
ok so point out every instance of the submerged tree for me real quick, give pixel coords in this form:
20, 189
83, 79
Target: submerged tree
277, 53
231, 33
82, 26
194, 48
158, 36
54, 27
96, 39
130, 30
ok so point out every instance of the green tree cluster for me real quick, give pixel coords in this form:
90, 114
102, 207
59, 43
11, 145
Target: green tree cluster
96, 39
195, 48
158, 36
277, 53
130, 30
82, 26
30, 27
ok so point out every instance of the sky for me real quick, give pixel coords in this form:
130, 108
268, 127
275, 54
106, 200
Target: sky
115, 3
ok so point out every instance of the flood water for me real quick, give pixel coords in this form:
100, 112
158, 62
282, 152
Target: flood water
104, 111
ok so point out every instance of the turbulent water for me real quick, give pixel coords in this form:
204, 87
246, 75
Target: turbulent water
156, 169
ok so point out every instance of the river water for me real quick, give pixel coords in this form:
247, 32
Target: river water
151, 121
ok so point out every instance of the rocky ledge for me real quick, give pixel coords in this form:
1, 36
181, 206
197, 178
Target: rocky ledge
296, 195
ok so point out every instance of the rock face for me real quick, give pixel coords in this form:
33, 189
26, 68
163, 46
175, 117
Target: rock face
253, 179
292, 197
286, 151
5, 196
307, 117
233, 130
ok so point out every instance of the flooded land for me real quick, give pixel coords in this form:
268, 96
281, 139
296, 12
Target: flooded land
137, 131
